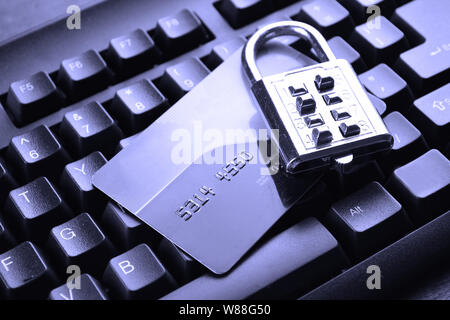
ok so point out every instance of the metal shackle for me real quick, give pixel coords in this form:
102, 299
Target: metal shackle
277, 29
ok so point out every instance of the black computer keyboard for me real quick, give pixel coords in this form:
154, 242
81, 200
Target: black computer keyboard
70, 100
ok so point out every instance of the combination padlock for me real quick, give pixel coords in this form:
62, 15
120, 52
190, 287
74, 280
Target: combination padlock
322, 113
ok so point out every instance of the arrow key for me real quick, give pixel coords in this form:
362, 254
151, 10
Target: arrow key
431, 114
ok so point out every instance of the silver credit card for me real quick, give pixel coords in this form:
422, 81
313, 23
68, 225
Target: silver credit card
197, 176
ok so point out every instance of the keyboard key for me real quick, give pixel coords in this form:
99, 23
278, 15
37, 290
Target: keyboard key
138, 105
132, 53
6, 182
24, 273
408, 142
426, 66
77, 186
359, 9
126, 230
377, 45
90, 128
180, 32
385, 84
181, 265
222, 51
6, 239
34, 209
90, 289
32, 98
327, 16
80, 242
83, 75
431, 114
342, 50
138, 274
367, 220
379, 104
302, 256
422, 186
401, 264
238, 13
36, 153
182, 77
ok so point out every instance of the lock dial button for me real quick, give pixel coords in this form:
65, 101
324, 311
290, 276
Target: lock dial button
331, 98
321, 136
306, 105
349, 130
324, 84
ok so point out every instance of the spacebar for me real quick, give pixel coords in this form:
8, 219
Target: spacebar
400, 264
289, 264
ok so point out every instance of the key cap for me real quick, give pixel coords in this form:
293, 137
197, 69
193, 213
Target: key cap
361, 10
377, 103
80, 241
126, 230
367, 220
33, 98
182, 77
24, 273
180, 32
83, 75
90, 289
6, 182
342, 50
401, 264
90, 128
138, 105
408, 142
377, 45
180, 265
37, 153
422, 186
431, 114
34, 209
238, 13
132, 53
138, 274
385, 84
314, 256
426, 66
77, 186
329, 17
222, 51
6, 239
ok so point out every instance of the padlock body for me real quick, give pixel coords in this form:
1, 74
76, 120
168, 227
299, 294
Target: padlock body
322, 113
